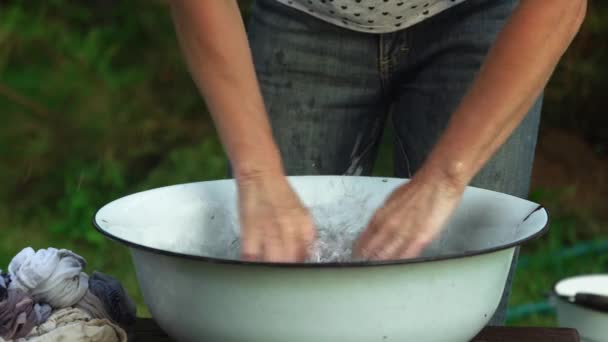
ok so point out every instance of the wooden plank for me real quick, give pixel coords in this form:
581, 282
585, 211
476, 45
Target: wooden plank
527, 334
146, 330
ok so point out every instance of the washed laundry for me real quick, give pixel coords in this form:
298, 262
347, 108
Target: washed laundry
74, 324
49, 275
46, 296
115, 299
3, 289
17, 314
43, 312
91, 304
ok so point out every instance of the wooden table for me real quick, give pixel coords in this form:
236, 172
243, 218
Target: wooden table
146, 330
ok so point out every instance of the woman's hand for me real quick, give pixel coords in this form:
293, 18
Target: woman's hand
275, 226
513, 75
412, 216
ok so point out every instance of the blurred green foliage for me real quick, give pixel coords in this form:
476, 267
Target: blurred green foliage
96, 103
543, 261
575, 98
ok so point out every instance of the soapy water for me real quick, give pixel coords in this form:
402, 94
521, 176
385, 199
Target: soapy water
338, 227
335, 237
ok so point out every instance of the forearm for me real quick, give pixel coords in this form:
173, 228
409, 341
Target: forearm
516, 70
214, 42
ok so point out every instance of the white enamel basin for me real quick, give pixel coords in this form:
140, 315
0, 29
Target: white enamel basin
196, 293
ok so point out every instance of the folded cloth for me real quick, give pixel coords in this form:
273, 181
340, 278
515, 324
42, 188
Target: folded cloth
74, 324
49, 275
5, 278
115, 299
92, 305
17, 315
43, 312
3, 288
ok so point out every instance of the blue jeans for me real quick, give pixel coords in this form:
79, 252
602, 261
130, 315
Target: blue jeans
330, 91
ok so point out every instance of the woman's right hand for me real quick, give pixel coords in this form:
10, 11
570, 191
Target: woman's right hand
275, 225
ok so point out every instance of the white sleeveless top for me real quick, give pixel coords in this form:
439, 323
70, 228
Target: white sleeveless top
372, 16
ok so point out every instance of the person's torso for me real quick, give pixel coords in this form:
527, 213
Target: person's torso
373, 16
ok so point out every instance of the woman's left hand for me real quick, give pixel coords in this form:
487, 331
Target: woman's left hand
412, 216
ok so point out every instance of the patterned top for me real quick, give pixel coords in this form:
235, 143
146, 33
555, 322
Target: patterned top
372, 16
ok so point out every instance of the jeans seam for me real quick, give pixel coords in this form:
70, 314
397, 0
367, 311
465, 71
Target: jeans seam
357, 159
383, 64
402, 149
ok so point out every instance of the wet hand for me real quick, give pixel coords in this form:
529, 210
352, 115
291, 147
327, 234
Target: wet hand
411, 217
275, 226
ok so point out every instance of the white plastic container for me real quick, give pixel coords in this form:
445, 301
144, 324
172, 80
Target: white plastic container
581, 303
